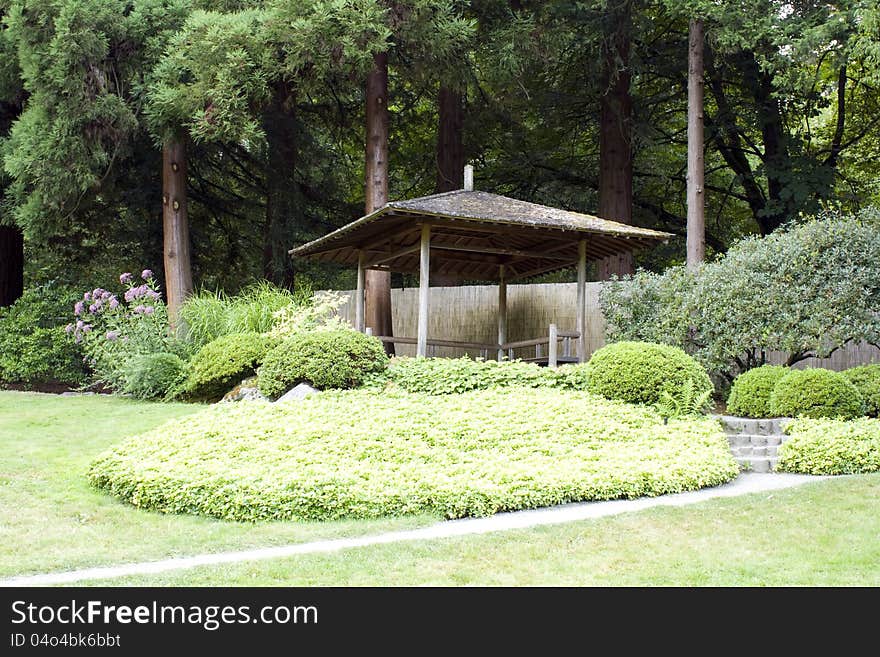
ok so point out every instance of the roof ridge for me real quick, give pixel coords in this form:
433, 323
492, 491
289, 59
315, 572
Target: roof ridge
430, 196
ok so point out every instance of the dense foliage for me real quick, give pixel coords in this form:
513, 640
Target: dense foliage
640, 372
153, 376
210, 315
357, 454
442, 376
866, 379
831, 447
751, 391
340, 358
805, 291
816, 393
115, 327
223, 363
34, 347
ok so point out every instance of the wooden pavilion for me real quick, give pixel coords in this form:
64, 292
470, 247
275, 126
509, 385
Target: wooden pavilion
475, 235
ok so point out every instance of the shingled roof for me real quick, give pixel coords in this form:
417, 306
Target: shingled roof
473, 232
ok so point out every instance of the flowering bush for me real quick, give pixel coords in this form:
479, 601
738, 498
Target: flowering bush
111, 331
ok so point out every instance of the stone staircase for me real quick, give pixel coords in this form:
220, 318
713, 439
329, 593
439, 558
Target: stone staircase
754, 443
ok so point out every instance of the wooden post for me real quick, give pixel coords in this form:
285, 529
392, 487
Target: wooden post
552, 347
424, 291
582, 301
175, 228
468, 178
502, 311
359, 295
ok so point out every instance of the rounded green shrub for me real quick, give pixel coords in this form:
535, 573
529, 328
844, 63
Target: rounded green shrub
325, 359
363, 454
640, 372
831, 447
223, 363
153, 376
867, 380
750, 394
816, 393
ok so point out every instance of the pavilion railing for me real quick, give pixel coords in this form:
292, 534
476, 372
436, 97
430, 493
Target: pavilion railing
546, 348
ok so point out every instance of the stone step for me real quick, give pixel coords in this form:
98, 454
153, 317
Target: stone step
744, 425
757, 463
748, 450
759, 440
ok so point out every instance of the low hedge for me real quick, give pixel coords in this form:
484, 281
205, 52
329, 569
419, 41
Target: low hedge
359, 454
816, 393
831, 447
326, 359
640, 372
866, 379
751, 391
443, 376
223, 363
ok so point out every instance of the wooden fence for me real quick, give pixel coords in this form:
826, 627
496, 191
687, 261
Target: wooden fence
468, 314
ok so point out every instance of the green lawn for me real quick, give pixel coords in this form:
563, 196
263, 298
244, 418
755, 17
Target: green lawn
51, 519
823, 533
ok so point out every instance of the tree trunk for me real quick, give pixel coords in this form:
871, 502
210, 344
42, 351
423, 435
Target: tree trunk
377, 313
11, 265
615, 134
175, 225
282, 190
450, 154
696, 201
450, 147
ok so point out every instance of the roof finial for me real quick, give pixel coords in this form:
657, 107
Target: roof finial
468, 178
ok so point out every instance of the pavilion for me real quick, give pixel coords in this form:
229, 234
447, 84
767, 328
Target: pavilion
476, 235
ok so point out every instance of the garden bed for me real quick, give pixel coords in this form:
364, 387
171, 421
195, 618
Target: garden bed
360, 454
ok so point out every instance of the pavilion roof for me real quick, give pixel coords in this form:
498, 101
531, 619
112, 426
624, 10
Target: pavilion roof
473, 232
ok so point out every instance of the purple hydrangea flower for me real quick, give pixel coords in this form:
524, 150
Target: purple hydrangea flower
78, 308
93, 308
86, 328
149, 310
125, 278
87, 296
112, 335
79, 324
114, 302
69, 328
147, 274
140, 309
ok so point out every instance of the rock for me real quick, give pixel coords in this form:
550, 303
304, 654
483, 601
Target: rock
301, 391
247, 390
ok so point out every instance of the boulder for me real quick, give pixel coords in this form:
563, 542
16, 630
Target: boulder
245, 391
301, 391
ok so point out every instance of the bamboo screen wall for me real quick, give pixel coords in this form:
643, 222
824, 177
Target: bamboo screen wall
468, 314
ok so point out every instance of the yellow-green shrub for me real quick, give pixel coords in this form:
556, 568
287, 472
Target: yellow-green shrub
361, 454
751, 391
831, 447
816, 393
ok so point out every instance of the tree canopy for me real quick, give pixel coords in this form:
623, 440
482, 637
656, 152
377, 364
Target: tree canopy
270, 97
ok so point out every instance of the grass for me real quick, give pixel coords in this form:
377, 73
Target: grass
822, 533
51, 519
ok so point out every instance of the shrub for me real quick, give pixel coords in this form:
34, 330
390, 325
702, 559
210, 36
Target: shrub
816, 393
326, 359
831, 447
442, 376
153, 376
750, 394
113, 328
640, 372
804, 290
34, 348
223, 363
867, 380
358, 454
